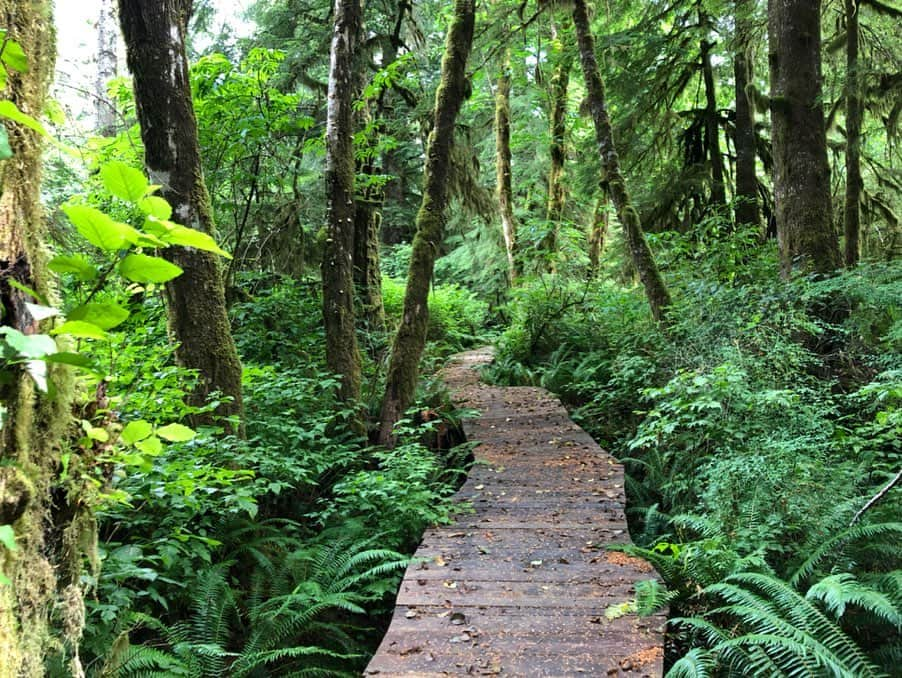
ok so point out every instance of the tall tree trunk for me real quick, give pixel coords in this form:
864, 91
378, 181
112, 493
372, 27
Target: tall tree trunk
808, 241
598, 234
107, 62
854, 113
410, 339
40, 577
155, 48
503, 189
342, 354
747, 212
712, 126
640, 254
557, 195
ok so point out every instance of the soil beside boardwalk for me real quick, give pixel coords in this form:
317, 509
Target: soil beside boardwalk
523, 585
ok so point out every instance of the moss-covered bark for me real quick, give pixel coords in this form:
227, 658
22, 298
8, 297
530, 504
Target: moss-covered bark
712, 124
808, 240
410, 339
33, 424
747, 210
557, 150
598, 234
342, 354
640, 254
854, 114
503, 189
155, 49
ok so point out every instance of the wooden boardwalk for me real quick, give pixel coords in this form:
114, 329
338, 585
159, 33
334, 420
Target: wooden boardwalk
523, 586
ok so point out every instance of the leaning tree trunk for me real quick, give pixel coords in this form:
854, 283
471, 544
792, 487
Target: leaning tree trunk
854, 111
43, 576
557, 195
410, 339
107, 35
598, 234
155, 48
342, 354
503, 189
712, 126
808, 241
747, 213
640, 254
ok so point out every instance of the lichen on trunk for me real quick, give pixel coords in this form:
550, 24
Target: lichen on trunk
503, 172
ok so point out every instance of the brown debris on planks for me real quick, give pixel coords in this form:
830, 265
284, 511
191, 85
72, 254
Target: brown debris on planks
521, 585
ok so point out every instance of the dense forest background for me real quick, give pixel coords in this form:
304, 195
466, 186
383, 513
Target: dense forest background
222, 435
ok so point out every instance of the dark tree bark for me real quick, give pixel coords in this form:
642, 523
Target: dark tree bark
342, 354
503, 188
107, 62
410, 339
712, 126
854, 114
747, 212
557, 194
640, 254
155, 47
808, 241
43, 577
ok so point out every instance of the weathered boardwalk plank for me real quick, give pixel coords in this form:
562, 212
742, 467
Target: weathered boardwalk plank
520, 585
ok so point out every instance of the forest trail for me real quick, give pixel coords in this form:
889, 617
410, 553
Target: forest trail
521, 585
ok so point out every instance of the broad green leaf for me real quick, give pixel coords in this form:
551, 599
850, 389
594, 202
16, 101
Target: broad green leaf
80, 329
105, 315
189, 237
29, 291
123, 181
68, 358
142, 268
155, 206
14, 56
6, 151
4, 76
8, 537
176, 433
97, 228
101, 435
9, 110
83, 269
151, 445
29, 345
136, 431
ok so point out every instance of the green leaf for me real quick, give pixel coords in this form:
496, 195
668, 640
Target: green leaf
8, 537
176, 433
25, 288
105, 315
73, 359
9, 110
142, 268
124, 182
176, 234
151, 445
97, 228
136, 431
155, 206
80, 329
83, 269
99, 434
14, 56
28, 345
6, 151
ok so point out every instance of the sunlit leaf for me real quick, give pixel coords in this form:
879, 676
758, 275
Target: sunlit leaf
142, 268
105, 315
176, 433
123, 181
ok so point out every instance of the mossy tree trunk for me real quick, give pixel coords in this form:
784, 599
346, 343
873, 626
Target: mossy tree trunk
155, 48
712, 122
342, 353
808, 241
557, 150
747, 211
503, 186
43, 583
598, 234
614, 184
854, 113
410, 339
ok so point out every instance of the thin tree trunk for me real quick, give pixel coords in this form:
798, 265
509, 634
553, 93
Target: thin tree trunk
747, 212
598, 235
410, 339
557, 195
155, 48
808, 241
655, 291
107, 62
712, 127
41, 578
854, 112
503, 189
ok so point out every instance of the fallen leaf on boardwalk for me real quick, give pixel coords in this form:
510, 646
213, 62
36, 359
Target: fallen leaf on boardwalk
438, 560
449, 584
458, 618
411, 614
